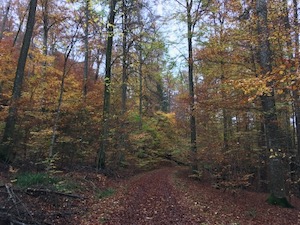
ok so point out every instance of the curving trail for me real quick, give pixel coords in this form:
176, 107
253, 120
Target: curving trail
168, 197
152, 199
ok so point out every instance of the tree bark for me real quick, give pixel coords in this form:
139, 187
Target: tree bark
20, 26
101, 161
296, 92
193, 132
124, 66
140, 71
8, 139
272, 132
45, 18
5, 19
140, 87
86, 50
296, 97
45, 26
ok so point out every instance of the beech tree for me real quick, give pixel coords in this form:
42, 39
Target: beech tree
5, 18
194, 11
237, 65
86, 46
107, 86
272, 131
8, 139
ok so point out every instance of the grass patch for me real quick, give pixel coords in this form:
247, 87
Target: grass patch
26, 180
105, 193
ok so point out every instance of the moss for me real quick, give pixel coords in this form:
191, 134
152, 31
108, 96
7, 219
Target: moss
283, 202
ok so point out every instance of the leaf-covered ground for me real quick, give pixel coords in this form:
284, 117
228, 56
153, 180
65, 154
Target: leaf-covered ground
167, 196
159, 197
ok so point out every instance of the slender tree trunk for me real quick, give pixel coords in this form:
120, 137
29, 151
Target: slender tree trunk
20, 26
61, 92
101, 161
290, 134
140, 71
5, 20
124, 66
58, 109
140, 87
296, 96
6, 147
226, 115
193, 131
98, 63
45, 27
296, 92
45, 7
123, 136
273, 136
86, 46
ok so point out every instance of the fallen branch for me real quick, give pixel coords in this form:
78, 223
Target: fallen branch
14, 209
62, 214
171, 158
47, 191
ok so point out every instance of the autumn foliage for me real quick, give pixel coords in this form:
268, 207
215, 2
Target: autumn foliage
55, 116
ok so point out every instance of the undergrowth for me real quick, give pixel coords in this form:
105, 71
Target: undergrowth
26, 180
105, 193
44, 180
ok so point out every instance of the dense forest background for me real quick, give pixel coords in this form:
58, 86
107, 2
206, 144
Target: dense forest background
133, 84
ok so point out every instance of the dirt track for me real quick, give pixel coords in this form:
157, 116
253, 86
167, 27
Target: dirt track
167, 197
152, 199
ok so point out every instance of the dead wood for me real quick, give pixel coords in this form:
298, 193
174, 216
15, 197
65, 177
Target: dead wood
13, 210
33, 191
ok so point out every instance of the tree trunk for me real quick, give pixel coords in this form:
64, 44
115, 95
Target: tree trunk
124, 66
140, 71
5, 20
273, 136
140, 87
101, 161
20, 26
99, 59
45, 13
61, 92
8, 140
226, 114
193, 131
45, 26
125, 48
58, 109
296, 95
86, 50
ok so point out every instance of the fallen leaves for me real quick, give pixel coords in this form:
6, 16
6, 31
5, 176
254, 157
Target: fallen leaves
159, 197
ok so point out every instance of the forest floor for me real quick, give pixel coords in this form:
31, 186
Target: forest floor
167, 196
160, 197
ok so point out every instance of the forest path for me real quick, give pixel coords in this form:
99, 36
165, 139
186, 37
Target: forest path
152, 199
167, 196
149, 198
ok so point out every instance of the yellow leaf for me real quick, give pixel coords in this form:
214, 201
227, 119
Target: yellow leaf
280, 91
